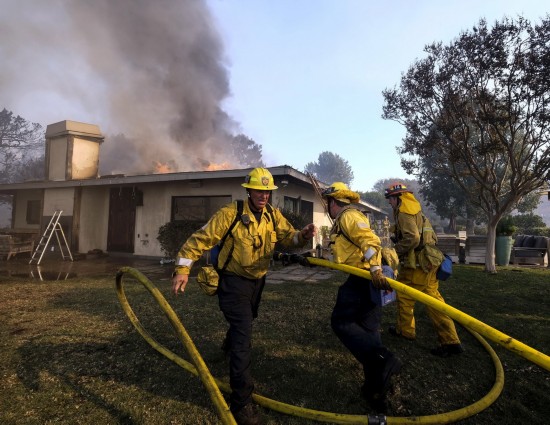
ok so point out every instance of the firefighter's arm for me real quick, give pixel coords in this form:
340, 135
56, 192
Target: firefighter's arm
356, 225
199, 242
372, 252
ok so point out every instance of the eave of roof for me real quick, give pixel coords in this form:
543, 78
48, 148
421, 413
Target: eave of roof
283, 170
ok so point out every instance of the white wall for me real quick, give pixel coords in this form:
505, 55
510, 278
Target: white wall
157, 201
20, 205
58, 199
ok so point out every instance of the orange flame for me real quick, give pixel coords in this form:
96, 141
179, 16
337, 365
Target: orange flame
161, 168
215, 167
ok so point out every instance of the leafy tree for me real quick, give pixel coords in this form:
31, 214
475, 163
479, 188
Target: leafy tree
330, 168
247, 152
20, 141
375, 198
528, 221
483, 103
446, 197
30, 169
528, 203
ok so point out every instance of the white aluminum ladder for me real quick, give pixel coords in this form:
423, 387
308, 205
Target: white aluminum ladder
54, 227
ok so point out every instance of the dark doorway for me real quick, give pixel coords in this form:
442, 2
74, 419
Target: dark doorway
122, 220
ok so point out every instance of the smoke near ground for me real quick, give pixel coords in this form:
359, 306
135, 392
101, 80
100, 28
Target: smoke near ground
151, 74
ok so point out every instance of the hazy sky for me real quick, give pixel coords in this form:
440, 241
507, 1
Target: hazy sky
297, 76
307, 75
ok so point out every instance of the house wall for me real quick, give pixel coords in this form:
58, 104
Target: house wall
20, 206
58, 199
157, 204
93, 209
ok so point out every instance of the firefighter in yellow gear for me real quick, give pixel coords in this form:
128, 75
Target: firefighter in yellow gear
412, 231
247, 251
356, 315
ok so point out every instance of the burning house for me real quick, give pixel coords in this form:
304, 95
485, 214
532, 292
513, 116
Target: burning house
122, 213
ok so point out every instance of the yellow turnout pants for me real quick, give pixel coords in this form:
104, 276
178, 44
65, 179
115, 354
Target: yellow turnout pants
428, 284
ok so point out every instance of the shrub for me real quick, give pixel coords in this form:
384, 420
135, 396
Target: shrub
173, 234
506, 227
298, 221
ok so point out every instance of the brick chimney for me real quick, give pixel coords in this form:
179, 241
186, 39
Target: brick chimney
72, 150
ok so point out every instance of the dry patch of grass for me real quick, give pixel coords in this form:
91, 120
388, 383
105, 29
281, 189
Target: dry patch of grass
69, 355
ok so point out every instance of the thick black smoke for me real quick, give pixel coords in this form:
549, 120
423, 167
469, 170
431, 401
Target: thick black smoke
152, 71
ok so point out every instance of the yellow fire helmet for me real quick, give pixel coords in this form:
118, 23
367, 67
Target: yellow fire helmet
396, 189
259, 179
341, 192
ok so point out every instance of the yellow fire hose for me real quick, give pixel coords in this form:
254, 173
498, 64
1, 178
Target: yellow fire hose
199, 368
469, 322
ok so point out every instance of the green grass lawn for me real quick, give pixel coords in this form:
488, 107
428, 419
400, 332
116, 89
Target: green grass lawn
69, 354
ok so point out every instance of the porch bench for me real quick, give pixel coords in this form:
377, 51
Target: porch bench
450, 245
11, 245
528, 249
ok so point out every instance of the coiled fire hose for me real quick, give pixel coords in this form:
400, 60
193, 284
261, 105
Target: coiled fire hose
213, 386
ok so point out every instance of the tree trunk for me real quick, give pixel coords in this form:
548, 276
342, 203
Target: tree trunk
490, 266
452, 224
470, 224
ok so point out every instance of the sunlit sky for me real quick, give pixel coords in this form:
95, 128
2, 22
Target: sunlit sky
307, 76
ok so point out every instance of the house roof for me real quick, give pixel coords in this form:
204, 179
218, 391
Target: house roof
279, 172
122, 179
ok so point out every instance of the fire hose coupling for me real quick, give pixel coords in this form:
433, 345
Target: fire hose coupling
377, 420
286, 258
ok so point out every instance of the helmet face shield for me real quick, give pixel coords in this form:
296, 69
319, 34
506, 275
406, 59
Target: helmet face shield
328, 191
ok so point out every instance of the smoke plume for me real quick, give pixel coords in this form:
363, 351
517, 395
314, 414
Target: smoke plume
151, 74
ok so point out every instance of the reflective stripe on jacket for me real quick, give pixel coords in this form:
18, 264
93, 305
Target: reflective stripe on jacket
253, 244
355, 225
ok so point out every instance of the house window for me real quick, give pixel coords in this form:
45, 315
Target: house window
33, 212
197, 208
299, 207
292, 205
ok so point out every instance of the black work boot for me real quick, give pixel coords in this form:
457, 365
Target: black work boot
447, 350
382, 366
376, 400
247, 415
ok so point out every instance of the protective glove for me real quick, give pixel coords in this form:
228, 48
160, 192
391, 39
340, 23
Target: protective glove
379, 281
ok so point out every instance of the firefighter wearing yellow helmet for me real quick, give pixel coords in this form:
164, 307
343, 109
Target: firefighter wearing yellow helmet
356, 316
245, 256
259, 179
412, 231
